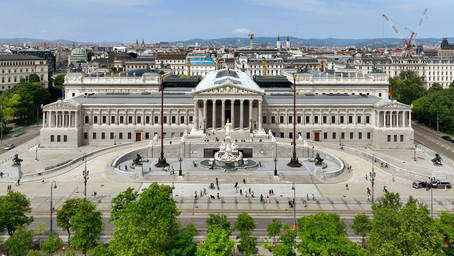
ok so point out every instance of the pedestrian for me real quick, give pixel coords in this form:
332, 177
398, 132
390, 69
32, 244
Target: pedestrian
201, 193
195, 194
244, 181
313, 197
305, 203
149, 169
386, 165
94, 194
249, 190
366, 176
368, 191
42, 180
252, 194
381, 164
393, 178
217, 181
18, 182
261, 197
384, 189
346, 186
260, 164
272, 191
267, 198
1, 174
218, 196
241, 191
126, 167
236, 184
204, 191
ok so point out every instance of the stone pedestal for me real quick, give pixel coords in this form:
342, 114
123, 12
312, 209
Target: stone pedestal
16, 172
138, 171
437, 172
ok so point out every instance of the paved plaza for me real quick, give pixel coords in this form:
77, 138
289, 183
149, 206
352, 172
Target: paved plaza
328, 194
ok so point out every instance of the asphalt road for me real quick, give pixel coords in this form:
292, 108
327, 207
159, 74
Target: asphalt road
30, 133
432, 139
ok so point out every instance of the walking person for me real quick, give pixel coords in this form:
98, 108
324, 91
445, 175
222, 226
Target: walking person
393, 178
346, 186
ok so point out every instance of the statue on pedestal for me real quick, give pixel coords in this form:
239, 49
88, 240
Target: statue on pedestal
318, 159
17, 160
137, 160
437, 160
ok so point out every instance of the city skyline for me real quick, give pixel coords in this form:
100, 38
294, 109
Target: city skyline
157, 20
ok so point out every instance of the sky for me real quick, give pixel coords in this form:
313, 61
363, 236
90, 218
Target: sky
178, 20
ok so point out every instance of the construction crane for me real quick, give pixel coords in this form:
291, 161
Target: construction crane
251, 37
407, 44
413, 38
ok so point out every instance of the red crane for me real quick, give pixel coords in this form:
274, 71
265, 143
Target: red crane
407, 44
419, 27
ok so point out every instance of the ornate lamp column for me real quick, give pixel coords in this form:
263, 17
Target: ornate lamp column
294, 160
162, 160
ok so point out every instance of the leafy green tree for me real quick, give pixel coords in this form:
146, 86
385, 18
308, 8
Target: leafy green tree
52, 244
407, 87
217, 242
101, 250
112, 54
285, 243
13, 209
435, 87
245, 224
446, 227
59, 79
10, 105
183, 244
87, 226
90, 55
64, 215
121, 202
436, 105
151, 218
220, 220
20, 242
399, 229
273, 229
361, 226
324, 234
34, 253
33, 78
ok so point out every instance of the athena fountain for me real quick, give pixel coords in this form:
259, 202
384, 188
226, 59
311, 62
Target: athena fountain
228, 154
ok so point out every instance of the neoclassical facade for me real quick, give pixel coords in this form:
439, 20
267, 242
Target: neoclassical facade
226, 95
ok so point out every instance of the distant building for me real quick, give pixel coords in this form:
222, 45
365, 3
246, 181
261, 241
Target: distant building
140, 62
14, 68
446, 49
47, 55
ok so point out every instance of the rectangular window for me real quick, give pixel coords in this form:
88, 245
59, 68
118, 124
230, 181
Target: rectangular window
129, 119
264, 119
333, 119
58, 138
342, 135
282, 135
290, 119
95, 119
316, 119
389, 138
308, 135
341, 119
325, 135
122, 119
334, 135
190, 119
129, 135
112, 119
181, 119
290, 135
273, 119
367, 119
85, 135
87, 119
351, 135
307, 119
360, 135
94, 135
324, 119
281, 119
350, 119
120, 135
401, 138
358, 119
147, 119
395, 138
112, 135
147, 135
104, 119
298, 119
65, 138
51, 138
156, 119
174, 119
368, 135
103, 135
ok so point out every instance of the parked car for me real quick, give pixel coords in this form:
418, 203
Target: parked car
446, 137
417, 184
441, 184
8, 146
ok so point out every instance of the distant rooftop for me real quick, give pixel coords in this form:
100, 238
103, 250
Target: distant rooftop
18, 57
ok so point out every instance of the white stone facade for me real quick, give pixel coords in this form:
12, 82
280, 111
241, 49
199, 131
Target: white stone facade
13, 68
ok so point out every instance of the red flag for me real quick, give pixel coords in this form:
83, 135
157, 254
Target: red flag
390, 91
228, 70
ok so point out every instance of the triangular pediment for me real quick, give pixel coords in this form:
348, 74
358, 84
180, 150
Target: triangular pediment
227, 82
227, 89
60, 105
394, 105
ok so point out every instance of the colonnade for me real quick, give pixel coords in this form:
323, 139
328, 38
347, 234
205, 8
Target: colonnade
394, 119
60, 119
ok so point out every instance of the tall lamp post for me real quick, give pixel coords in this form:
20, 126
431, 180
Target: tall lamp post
36, 153
294, 160
275, 169
53, 185
85, 173
162, 160
180, 172
294, 206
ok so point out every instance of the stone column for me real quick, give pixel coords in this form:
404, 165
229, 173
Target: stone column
384, 118
49, 119
76, 119
409, 119
241, 114
232, 113
260, 115
70, 119
223, 114
250, 114
205, 115
397, 119
44, 118
196, 116
214, 114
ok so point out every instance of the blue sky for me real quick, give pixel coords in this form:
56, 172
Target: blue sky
159, 20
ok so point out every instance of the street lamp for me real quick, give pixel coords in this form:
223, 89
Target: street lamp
180, 172
53, 185
414, 151
312, 151
85, 173
275, 169
294, 206
294, 160
162, 161
36, 153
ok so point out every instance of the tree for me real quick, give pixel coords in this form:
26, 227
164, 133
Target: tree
13, 209
285, 243
52, 244
435, 87
151, 218
183, 244
245, 224
217, 242
399, 229
90, 55
273, 229
361, 226
64, 215
407, 87
324, 234
33, 78
112, 54
20, 242
87, 226
446, 227
101, 250
121, 202
220, 220
59, 79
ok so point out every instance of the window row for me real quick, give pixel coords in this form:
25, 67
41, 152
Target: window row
19, 63
121, 135
130, 119
316, 119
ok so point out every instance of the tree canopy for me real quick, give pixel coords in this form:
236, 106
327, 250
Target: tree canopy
217, 242
64, 215
245, 224
59, 79
13, 209
20, 242
407, 87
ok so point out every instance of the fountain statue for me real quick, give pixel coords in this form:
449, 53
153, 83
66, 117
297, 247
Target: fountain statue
228, 154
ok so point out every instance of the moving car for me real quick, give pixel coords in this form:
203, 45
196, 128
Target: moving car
417, 184
8, 146
441, 184
446, 137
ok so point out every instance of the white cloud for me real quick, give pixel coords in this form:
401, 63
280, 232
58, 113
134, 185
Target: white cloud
241, 31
